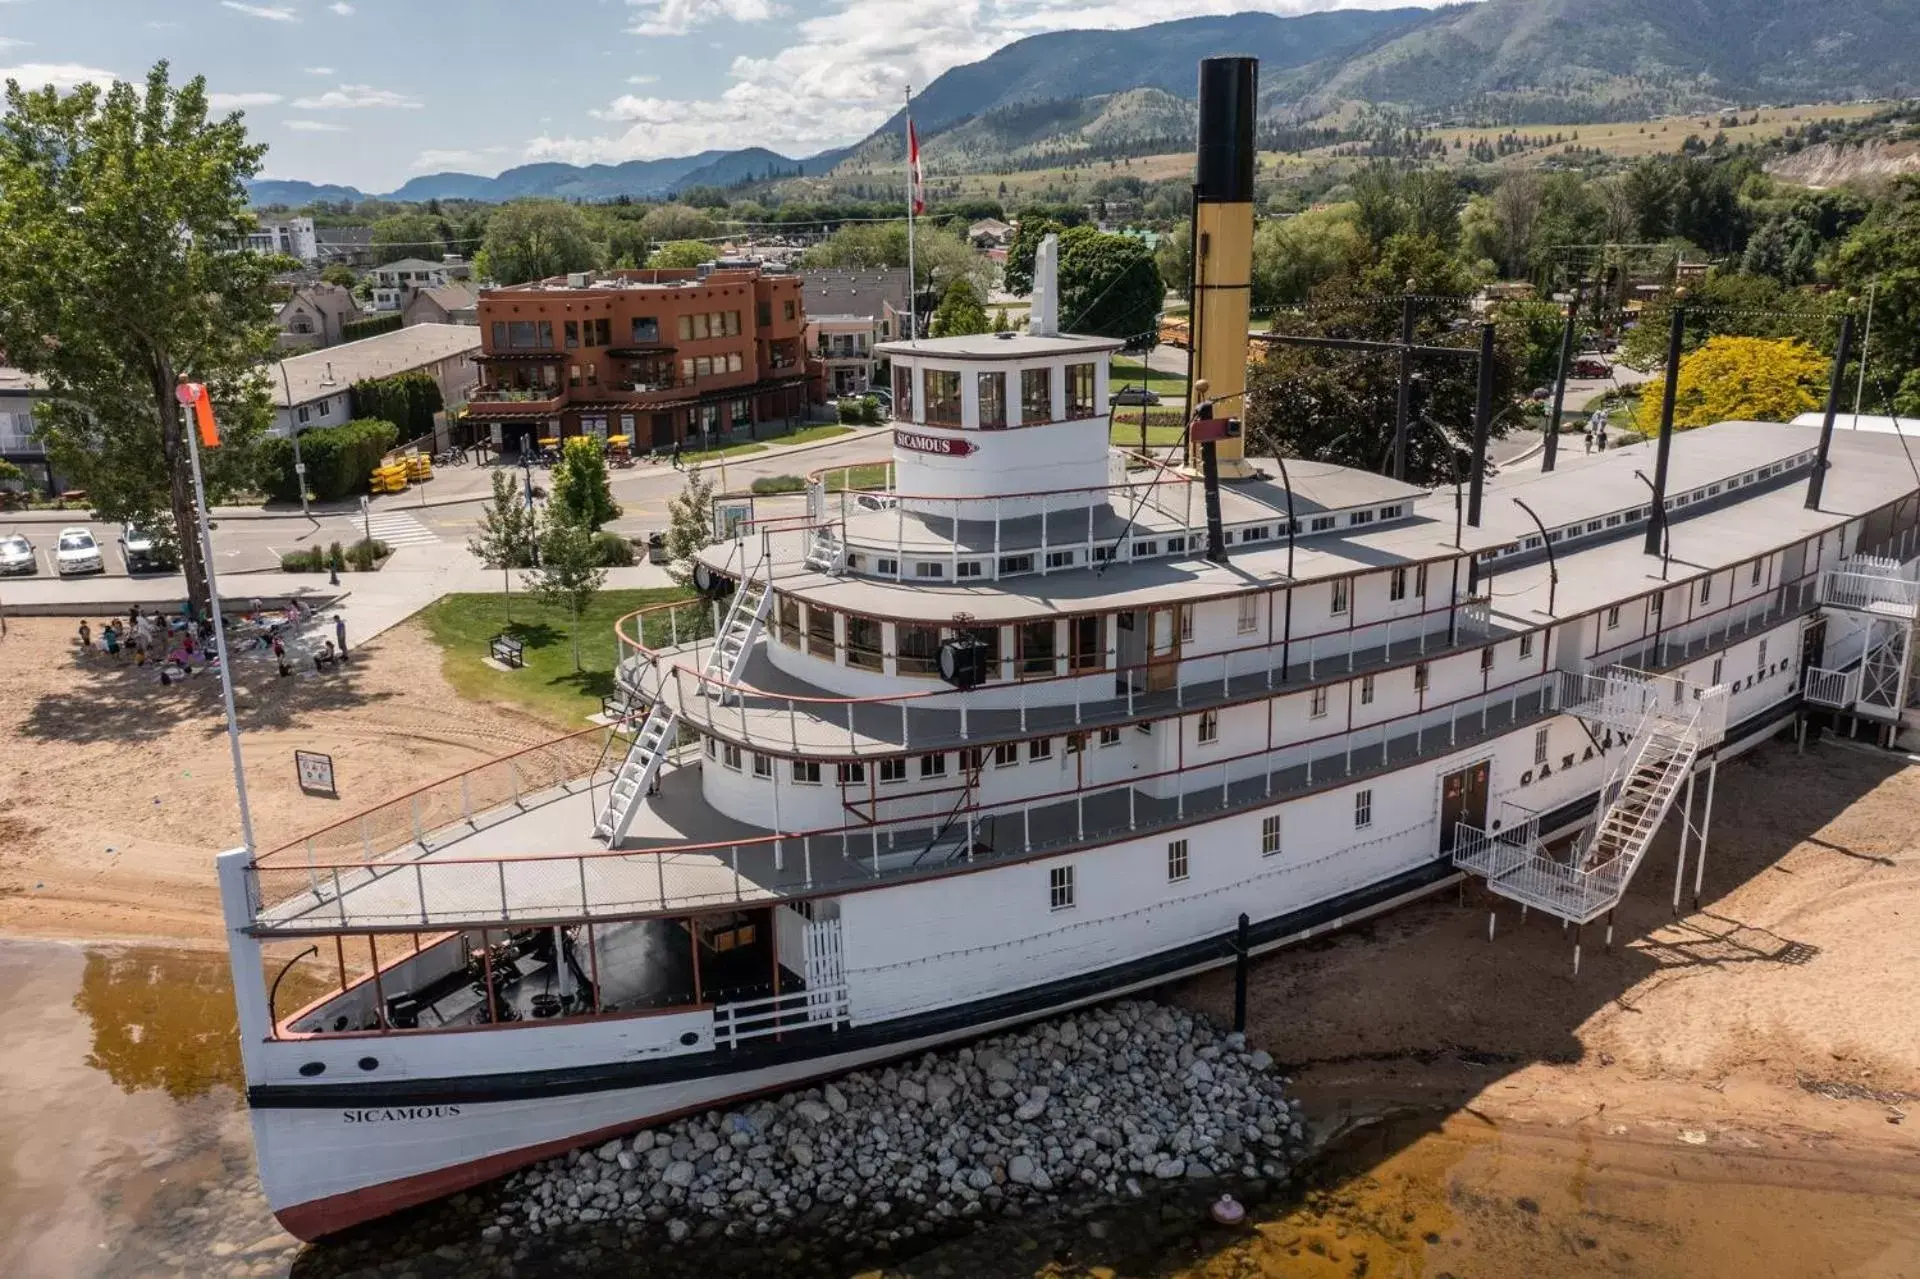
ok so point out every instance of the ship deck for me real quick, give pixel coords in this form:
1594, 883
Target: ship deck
535, 863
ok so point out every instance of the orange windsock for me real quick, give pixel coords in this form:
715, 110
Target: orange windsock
194, 395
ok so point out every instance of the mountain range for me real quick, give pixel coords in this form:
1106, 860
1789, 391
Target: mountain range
1503, 61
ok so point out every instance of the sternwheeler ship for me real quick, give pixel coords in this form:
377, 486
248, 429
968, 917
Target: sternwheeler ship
1034, 722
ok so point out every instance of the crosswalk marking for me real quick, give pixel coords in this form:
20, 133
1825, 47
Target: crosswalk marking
397, 528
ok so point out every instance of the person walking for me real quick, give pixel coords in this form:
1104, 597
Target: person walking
86, 638
340, 635
676, 455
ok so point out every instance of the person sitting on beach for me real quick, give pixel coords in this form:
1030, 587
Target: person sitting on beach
325, 658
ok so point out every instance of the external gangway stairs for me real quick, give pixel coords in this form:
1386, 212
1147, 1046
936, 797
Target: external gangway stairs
1661, 726
654, 741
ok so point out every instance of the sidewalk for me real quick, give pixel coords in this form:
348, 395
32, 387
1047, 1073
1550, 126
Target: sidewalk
458, 485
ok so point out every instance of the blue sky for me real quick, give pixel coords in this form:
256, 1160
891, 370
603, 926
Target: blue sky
371, 92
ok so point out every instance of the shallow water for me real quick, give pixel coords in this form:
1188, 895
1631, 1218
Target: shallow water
124, 1151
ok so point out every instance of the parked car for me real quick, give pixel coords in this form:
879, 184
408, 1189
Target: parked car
78, 552
142, 552
1588, 366
1136, 395
16, 555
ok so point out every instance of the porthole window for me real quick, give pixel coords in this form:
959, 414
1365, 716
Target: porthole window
369, 1063
689, 1038
313, 1068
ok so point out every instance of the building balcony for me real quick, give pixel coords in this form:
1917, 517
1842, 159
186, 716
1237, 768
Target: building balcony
501, 401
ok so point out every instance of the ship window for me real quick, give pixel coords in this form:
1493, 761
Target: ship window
863, 642
1011, 564
1209, 727
1420, 678
1706, 589
1038, 646
1714, 682
1397, 584
943, 397
1109, 737
1360, 517
1080, 399
1317, 703
1006, 754
1362, 809
993, 400
1249, 617
820, 642
893, 770
886, 566
1145, 550
934, 765
1613, 618
1754, 578
1186, 623
806, 772
902, 393
1085, 651
919, 649
852, 774
1340, 597
762, 765
1613, 521
730, 756
1270, 835
1040, 748
1761, 664
1036, 396
1060, 887
1526, 646
1059, 559
713, 748
1321, 523
1366, 690
1540, 744
1176, 545
1486, 659
967, 568
789, 615
1420, 581
1258, 533
1076, 743
1176, 861
1389, 512
925, 568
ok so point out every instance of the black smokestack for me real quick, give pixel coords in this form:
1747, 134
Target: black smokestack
1226, 130
1817, 482
1657, 513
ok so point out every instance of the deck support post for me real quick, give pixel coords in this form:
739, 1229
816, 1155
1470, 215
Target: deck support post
1240, 957
1609, 941
1686, 826
1706, 823
1492, 915
1576, 952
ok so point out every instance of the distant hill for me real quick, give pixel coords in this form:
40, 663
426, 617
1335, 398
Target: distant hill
645, 179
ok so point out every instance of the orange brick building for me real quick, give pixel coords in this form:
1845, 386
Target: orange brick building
662, 357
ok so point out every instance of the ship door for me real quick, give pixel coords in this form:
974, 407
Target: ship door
1163, 648
1463, 798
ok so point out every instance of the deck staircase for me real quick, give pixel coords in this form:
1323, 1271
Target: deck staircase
827, 553
655, 740
1663, 725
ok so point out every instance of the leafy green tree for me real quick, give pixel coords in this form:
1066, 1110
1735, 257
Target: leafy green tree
689, 525
627, 243
339, 274
960, 312
1738, 379
939, 255
1293, 257
1883, 253
1109, 284
680, 255
1174, 256
1000, 322
1533, 329
407, 235
678, 222
118, 208
506, 533
582, 493
569, 573
533, 239
11, 476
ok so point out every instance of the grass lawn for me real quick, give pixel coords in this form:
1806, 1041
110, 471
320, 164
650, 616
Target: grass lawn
547, 685
808, 434
1172, 387
867, 475
1127, 434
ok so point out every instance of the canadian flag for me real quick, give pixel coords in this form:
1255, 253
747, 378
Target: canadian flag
916, 180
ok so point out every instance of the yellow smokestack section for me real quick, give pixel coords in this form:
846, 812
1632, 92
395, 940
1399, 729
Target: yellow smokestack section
1223, 246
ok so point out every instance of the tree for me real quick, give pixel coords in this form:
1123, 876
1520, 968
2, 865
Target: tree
1293, 257
939, 255
407, 235
533, 239
1883, 253
680, 255
689, 525
505, 537
581, 492
1000, 322
960, 312
569, 573
118, 208
1174, 257
677, 222
1108, 284
1738, 379
11, 476
339, 274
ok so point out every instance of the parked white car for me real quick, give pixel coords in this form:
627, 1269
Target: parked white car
78, 552
16, 555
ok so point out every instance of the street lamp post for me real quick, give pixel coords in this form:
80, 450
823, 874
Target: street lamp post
293, 428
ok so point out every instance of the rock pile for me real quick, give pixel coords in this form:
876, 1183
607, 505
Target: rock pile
1103, 1103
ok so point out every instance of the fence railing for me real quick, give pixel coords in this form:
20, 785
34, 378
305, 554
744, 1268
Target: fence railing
1870, 589
796, 1010
1620, 697
1833, 688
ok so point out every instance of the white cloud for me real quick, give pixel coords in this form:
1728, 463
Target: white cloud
642, 79
353, 97
677, 17
61, 75
236, 101
271, 12
342, 8
320, 71
844, 71
315, 126
431, 161
8, 42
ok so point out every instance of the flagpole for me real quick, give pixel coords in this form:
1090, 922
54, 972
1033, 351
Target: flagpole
913, 292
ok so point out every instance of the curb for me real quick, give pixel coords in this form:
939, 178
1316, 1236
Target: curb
109, 608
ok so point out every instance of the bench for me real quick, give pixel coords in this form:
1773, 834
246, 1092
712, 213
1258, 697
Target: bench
507, 651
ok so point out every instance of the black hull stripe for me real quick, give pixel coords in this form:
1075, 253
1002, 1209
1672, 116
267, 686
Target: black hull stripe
805, 1042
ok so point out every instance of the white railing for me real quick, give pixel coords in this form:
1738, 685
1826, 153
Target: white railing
1621, 698
1833, 688
793, 1011
1491, 854
1872, 586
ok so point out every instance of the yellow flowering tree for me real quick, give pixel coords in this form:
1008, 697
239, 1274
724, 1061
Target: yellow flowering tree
1729, 379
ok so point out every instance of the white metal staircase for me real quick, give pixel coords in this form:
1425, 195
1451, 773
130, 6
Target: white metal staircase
1663, 725
655, 740
826, 553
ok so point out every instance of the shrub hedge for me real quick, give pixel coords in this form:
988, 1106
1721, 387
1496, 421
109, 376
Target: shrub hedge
339, 460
